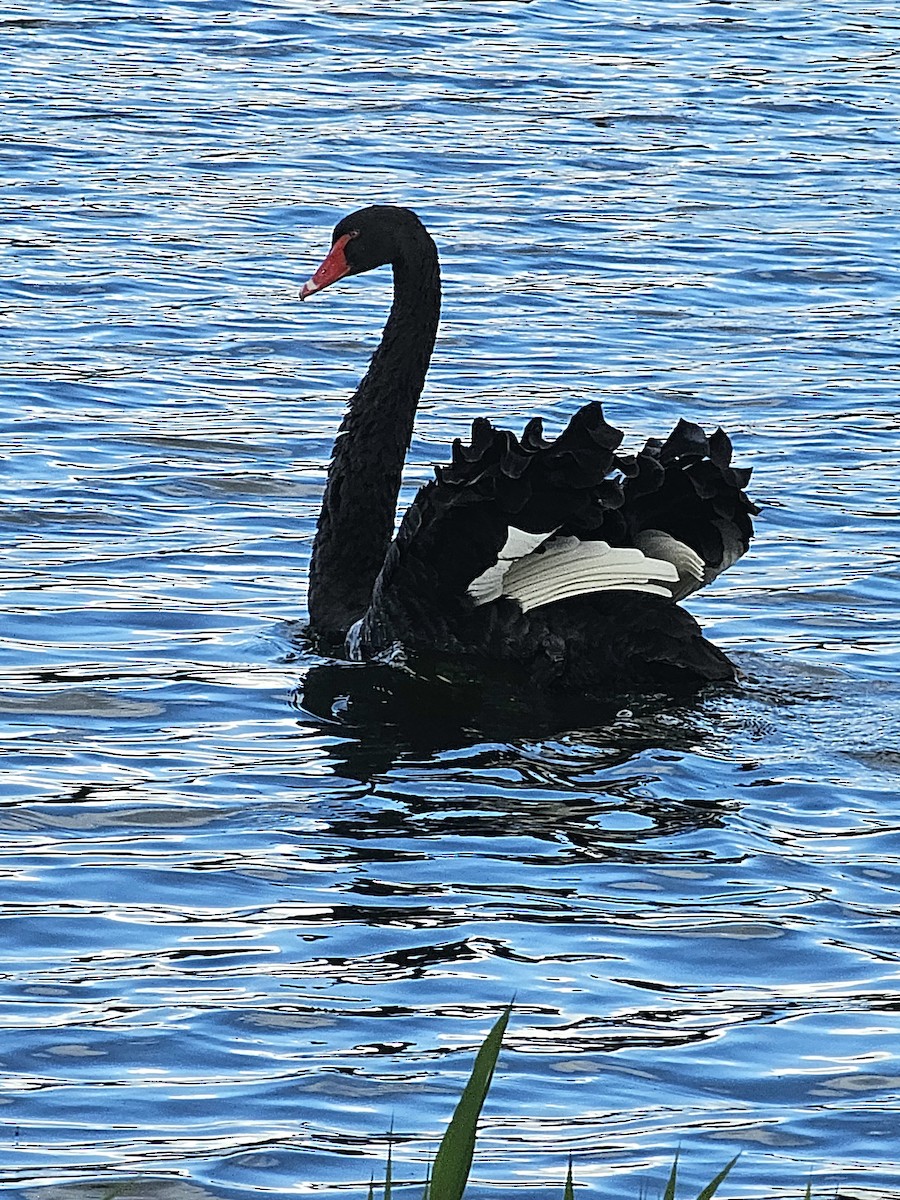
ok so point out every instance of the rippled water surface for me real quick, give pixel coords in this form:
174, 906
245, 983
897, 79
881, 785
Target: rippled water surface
238, 942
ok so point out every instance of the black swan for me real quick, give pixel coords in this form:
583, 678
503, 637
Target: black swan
558, 564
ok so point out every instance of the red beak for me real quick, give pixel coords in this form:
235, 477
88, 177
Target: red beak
334, 267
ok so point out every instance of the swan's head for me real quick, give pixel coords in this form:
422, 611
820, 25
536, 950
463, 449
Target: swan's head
369, 238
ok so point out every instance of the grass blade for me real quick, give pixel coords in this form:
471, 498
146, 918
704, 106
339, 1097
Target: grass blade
426, 1195
569, 1193
669, 1193
710, 1189
453, 1160
388, 1174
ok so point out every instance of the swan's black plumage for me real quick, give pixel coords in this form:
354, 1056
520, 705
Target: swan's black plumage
678, 500
357, 520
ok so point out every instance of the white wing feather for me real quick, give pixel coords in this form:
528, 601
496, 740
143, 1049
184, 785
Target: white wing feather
565, 567
518, 544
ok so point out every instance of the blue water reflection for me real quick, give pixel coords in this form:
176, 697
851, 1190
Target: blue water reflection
240, 940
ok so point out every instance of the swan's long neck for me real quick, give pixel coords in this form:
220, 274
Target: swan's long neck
357, 520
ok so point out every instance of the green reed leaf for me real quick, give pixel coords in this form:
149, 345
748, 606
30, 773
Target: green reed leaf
569, 1193
388, 1174
710, 1190
426, 1195
669, 1193
453, 1160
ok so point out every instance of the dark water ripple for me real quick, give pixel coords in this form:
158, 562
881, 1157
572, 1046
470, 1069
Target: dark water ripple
239, 941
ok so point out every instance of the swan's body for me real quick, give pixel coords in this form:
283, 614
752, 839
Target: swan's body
557, 563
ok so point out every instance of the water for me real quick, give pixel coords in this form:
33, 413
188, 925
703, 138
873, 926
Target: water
239, 943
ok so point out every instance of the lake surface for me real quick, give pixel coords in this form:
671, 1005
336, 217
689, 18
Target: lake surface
238, 942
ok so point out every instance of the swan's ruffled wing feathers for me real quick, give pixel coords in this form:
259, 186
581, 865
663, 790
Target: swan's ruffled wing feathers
536, 484
504, 496
457, 526
685, 487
